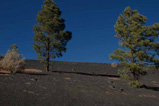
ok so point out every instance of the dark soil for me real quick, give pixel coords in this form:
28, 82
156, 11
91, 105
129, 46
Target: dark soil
76, 84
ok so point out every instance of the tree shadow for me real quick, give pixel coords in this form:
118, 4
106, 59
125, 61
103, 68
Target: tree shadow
3, 73
43, 74
87, 74
27, 73
150, 87
31, 73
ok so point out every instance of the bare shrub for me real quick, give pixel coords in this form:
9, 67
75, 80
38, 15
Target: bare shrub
1, 57
13, 62
114, 65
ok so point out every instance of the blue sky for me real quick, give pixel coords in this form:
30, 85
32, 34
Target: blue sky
91, 22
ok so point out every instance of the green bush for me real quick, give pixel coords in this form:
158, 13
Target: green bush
135, 84
124, 73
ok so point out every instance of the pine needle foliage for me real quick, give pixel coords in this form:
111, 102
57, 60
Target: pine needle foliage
50, 38
138, 43
135, 84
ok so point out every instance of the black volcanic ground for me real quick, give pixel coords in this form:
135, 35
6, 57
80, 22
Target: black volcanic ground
76, 84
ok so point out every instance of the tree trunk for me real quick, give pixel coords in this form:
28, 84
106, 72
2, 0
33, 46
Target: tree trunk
133, 77
132, 57
48, 56
47, 61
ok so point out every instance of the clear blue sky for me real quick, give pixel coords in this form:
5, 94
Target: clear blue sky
91, 22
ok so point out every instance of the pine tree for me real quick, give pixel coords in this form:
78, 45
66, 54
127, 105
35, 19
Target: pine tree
137, 44
50, 39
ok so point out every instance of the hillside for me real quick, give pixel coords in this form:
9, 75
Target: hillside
99, 68
76, 84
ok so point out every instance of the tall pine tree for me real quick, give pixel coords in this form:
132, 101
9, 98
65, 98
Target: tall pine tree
137, 44
50, 38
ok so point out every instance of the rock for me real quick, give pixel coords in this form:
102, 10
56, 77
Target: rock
114, 65
111, 86
121, 90
28, 83
110, 82
34, 79
73, 69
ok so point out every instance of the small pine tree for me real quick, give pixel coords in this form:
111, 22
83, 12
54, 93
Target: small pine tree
136, 41
50, 39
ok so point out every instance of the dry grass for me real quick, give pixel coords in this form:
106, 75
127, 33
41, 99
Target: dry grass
109, 93
32, 70
43, 87
156, 83
113, 78
147, 96
117, 93
25, 70
30, 92
67, 78
4, 71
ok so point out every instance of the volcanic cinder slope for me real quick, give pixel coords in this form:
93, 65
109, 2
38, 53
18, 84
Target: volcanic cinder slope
76, 84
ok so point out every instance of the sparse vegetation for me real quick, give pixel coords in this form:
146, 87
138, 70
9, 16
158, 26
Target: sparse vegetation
13, 61
50, 39
83, 83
